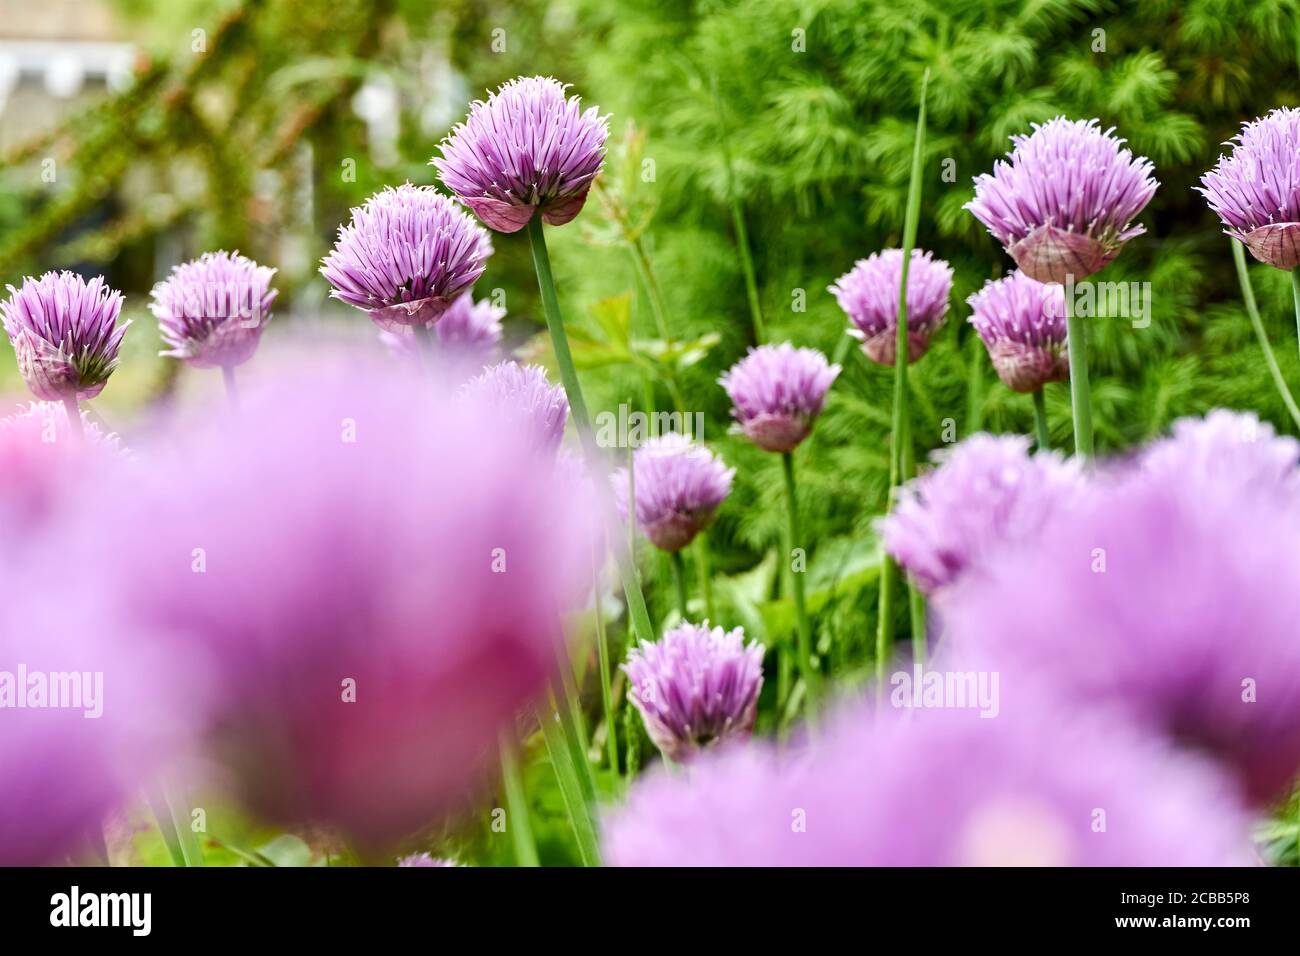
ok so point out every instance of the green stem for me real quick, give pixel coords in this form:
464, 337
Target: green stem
606, 697
1295, 294
915, 600
1041, 432
1252, 309
795, 540
897, 433
176, 833
679, 583
1080, 397
639, 616
74, 417
521, 830
738, 221
705, 566
579, 812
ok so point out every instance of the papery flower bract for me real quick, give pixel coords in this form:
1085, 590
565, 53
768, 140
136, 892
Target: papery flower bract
529, 148
524, 393
384, 573
406, 256
43, 463
937, 788
695, 688
1021, 322
1255, 189
679, 486
65, 333
777, 392
467, 336
1173, 594
868, 294
1064, 205
212, 309
986, 493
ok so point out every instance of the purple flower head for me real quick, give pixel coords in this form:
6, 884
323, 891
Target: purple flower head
88, 711
1255, 189
988, 492
384, 574
1171, 594
65, 333
424, 859
528, 148
776, 392
467, 338
212, 309
406, 256
1021, 321
937, 788
1065, 203
869, 295
678, 487
523, 393
1230, 448
695, 688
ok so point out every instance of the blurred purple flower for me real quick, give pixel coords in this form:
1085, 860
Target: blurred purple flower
88, 711
65, 333
1064, 205
695, 688
679, 486
777, 391
987, 492
1227, 448
869, 296
1171, 593
406, 256
378, 575
467, 338
529, 148
1255, 189
938, 788
523, 393
424, 859
1021, 321
212, 309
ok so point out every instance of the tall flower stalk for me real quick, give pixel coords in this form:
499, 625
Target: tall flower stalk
1252, 309
898, 432
521, 829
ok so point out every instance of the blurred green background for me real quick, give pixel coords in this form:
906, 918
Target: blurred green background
202, 124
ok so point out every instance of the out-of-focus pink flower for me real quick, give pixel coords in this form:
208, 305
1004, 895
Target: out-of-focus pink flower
467, 338
378, 574
525, 395
938, 788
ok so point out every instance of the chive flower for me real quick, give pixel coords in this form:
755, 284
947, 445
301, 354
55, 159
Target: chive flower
777, 392
212, 310
1063, 205
1255, 188
695, 688
65, 333
868, 294
678, 486
529, 148
407, 254
523, 393
1021, 322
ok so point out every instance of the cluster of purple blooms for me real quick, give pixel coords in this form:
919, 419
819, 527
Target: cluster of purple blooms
336, 606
